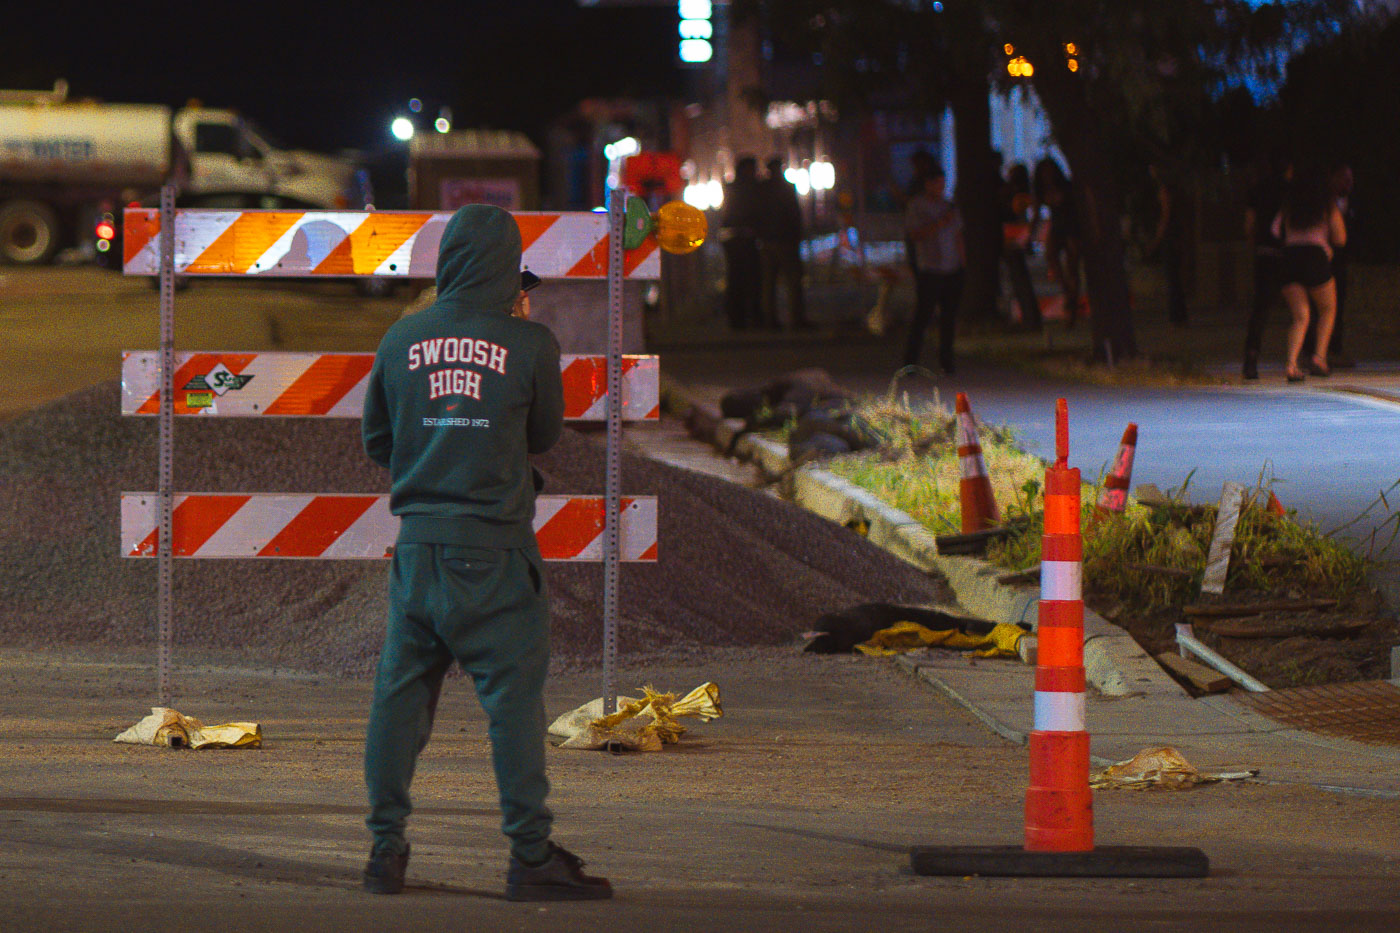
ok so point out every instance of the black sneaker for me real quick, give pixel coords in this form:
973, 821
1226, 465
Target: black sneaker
384, 871
561, 878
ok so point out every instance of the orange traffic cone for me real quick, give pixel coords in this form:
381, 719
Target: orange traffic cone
979, 506
1114, 497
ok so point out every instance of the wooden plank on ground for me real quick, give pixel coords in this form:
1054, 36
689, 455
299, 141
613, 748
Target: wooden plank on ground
1205, 679
1226, 611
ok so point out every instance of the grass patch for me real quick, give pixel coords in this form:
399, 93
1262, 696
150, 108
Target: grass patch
917, 470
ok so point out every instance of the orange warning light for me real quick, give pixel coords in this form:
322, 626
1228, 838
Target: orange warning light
680, 228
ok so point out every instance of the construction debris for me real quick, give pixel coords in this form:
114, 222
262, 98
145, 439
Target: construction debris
1258, 628
641, 725
1003, 641
1204, 679
1160, 768
168, 728
1254, 609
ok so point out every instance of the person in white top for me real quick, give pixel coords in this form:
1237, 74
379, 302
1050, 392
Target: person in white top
1311, 227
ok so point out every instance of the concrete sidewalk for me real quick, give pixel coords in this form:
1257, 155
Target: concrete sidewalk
1214, 733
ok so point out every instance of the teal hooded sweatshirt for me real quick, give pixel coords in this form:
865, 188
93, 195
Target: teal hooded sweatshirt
462, 391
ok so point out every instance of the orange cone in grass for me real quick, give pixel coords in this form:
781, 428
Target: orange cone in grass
979, 506
1114, 497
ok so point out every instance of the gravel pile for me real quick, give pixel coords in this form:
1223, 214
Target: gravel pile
737, 567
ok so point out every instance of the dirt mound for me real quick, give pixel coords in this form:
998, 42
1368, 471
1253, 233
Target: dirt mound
736, 567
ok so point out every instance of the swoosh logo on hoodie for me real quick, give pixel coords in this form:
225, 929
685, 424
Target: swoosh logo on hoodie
453, 406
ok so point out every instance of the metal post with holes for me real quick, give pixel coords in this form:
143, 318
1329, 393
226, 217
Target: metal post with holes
612, 481
165, 554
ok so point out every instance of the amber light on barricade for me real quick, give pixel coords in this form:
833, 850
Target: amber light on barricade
1059, 832
680, 228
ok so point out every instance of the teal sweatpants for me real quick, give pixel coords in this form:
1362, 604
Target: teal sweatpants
486, 609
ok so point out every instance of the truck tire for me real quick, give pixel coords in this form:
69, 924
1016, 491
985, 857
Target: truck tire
28, 233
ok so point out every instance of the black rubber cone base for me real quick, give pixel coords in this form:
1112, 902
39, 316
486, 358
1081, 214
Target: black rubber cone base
1102, 862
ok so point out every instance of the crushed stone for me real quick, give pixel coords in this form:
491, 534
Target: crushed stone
736, 568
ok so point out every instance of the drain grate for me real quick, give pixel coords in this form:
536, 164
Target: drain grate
1367, 712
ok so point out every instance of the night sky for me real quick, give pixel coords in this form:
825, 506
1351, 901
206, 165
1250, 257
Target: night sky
326, 76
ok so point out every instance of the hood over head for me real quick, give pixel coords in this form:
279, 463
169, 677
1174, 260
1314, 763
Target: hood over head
478, 266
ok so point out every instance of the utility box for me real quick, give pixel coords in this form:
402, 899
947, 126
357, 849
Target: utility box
449, 170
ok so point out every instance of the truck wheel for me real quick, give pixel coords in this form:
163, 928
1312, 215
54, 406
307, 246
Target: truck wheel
28, 233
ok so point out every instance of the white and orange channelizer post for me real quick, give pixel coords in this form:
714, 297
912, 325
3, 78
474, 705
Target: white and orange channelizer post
1059, 840
1059, 804
979, 506
1114, 497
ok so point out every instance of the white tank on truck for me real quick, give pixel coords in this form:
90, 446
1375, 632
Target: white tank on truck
62, 160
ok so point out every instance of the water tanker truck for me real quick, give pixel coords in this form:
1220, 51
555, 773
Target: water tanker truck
63, 162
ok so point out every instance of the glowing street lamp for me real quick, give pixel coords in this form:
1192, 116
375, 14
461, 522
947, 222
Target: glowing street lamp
402, 128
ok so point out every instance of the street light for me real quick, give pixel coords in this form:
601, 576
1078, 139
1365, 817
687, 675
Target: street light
402, 128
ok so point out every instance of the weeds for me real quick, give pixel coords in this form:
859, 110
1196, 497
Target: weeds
1148, 558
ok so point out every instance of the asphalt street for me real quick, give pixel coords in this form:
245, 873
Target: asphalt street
1330, 452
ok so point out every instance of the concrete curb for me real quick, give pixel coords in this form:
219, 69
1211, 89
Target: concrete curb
1113, 663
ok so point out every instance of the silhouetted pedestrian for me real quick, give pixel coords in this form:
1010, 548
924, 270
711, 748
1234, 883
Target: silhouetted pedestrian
1340, 182
1169, 241
1311, 227
1265, 203
934, 225
780, 245
739, 235
1015, 203
1055, 191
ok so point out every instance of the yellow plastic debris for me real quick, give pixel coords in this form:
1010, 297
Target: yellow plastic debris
170, 729
641, 724
1164, 768
1001, 642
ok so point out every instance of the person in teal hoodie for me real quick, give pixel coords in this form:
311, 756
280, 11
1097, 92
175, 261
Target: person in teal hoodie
459, 395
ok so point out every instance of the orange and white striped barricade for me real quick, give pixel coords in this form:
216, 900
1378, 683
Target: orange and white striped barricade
1059, 829
979, 505
295, 526
1114, 497
332, 385
167, 242
403, 244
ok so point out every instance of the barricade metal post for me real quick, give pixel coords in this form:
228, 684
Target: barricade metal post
165, 484
612, 480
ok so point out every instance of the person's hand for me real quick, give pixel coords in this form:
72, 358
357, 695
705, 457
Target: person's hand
521, 308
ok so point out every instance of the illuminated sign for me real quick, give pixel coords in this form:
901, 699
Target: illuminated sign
695, 31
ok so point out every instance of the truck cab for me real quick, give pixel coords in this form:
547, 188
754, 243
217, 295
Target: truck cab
231, 160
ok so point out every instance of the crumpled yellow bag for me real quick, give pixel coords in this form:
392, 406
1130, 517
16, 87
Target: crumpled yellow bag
643, 724
1164, 768
1001, 642
170, 729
